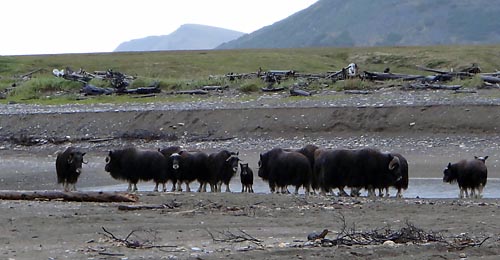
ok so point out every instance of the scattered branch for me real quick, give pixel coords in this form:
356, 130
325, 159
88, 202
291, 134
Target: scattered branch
136, 244
230, 237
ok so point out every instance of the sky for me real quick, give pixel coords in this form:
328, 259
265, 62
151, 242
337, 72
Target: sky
68, 26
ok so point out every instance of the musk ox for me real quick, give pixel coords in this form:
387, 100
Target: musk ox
170, 171
402, 182
188, 167
281, 168
133, 165
246, 177
223, 166
69, 167
469, 174
366, 168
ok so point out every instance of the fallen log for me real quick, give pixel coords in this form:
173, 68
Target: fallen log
390, 76
214, 88
191, 92
272, 89
299, 92
490, 79
90, 196
420, 86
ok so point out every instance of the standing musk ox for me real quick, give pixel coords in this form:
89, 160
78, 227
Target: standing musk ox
171, 172
281, 168
246, 177
133, 165
69, 167
189, 167
223, 166
470, 174
401, 183
366, 168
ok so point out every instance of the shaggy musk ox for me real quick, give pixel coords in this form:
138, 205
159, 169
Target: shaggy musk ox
470, 174
366, 168
308, 151
69, 167
246, 177
223, 166
170, 171
281, 168
133, 165
189, 167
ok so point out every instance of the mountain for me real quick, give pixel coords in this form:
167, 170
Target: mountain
381, 22
187, 37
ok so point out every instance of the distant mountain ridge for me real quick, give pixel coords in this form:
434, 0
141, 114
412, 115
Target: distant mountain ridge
187, 37
381, 22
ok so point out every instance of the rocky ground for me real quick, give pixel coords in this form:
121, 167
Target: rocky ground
430, 128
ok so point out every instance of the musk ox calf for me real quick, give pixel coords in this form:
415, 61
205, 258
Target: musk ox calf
188, 167
133, 165
281, 168
246, 177
470, 175
223, 166
69, 167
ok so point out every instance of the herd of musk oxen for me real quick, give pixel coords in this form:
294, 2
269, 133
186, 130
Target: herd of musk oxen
312, 168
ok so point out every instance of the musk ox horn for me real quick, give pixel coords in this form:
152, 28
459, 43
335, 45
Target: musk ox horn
232, 156
394, 163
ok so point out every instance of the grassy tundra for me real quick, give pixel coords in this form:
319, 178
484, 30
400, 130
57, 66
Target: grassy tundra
191, 69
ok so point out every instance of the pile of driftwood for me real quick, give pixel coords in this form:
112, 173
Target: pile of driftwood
119, 82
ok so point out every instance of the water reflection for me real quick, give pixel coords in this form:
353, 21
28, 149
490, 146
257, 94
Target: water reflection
418, 188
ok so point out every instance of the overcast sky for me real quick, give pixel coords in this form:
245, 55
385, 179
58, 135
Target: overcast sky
68, 26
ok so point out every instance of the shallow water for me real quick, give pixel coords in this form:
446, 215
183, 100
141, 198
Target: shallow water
417, 188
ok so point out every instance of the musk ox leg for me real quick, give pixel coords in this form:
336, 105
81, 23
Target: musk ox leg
387, 192
354, 192
461, 195
296, 192
399, 194
156, 187
74, 187
480, 191
65, 187
179, 186
380, 192
188, 189
129, 189
227, 187
251, 188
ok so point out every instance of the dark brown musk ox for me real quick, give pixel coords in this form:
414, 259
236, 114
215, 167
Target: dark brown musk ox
223, 165
246, 178
188, 167
401, 183
366, 168
469, 174
69, 167
170, 171
308, 151
281, 168
133, 165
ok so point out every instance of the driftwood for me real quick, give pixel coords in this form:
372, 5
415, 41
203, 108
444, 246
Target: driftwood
214, 88
299, 92
171, 205
68, 196
422, 86
358, 92
490, 79
390, 76
272, 89
191, 92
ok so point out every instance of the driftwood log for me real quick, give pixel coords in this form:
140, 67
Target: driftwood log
490, 79
390, 76
68, 196
299, 92
421, 86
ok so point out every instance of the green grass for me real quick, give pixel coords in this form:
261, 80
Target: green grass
176, 70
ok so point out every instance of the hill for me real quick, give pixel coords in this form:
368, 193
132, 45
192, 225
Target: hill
187, 37
381, 23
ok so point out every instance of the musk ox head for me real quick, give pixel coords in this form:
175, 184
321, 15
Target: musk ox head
481, 158
450, 174
233, 160
112, 162
263, 166
75, 160
176, 158
244, 168
395, 167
